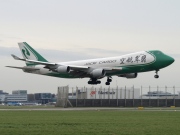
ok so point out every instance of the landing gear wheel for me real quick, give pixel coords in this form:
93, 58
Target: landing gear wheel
156, 76
107, 83
98, 82
94, 81
89, 82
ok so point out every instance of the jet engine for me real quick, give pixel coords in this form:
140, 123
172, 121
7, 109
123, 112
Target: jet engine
98, 73
63, 69
129, 76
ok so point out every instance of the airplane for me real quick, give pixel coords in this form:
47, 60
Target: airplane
127, 66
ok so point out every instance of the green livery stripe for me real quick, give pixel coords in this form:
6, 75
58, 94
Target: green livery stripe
36, 54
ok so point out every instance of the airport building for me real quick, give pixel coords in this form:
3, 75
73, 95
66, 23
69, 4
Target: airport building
122, 93
31, 97
106, 93
43, 98
2, 96
19, 92
17, 96
160, 95
3, 93
178, 95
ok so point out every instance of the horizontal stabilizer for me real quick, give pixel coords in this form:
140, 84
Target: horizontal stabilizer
33, 61
24, 68
17, 58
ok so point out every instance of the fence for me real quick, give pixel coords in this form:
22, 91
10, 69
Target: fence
125, 96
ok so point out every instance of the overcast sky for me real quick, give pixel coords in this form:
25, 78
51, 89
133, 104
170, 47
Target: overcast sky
66, 30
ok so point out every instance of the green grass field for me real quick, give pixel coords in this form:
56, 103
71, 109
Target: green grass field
89, 123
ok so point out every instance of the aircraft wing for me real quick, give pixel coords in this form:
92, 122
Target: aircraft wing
50, 65
73, 67
86, 67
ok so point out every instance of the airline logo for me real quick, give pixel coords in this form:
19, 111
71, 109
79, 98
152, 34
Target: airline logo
28, 53
92, 93
25, 53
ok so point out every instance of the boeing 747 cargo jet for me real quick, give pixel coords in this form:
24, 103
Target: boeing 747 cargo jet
122, 66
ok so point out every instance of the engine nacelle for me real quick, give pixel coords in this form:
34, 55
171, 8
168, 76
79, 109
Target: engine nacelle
98, 73
129, 76
63, 69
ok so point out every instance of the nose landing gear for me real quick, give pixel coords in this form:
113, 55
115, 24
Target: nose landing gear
156, 76
108, 81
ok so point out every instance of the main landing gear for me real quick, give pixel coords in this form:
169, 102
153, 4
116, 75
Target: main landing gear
94, 81
108, 81
156, 76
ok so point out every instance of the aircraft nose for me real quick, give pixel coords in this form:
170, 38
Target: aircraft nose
170, 59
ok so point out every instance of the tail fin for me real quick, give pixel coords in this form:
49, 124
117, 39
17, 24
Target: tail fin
29, 53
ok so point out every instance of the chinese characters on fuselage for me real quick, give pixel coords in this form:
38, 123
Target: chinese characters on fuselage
137, 59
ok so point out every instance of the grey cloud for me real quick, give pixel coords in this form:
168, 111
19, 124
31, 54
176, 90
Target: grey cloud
175, 55
9, 37
6, 51
64, 55
106, 51
12, 37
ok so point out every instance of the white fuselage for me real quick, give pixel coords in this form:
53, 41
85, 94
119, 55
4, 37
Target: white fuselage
139, 58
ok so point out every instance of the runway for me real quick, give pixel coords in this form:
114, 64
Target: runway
91, 109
